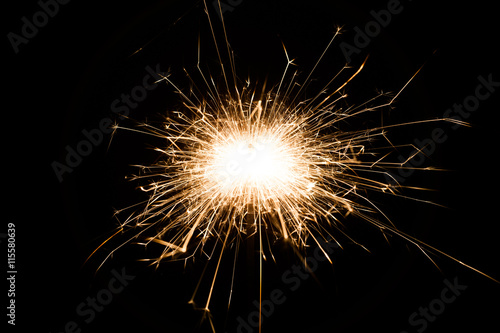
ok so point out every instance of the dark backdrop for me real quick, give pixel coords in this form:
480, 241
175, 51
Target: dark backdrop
66, 77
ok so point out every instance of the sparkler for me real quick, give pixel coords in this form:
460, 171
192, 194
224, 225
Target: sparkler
239, 159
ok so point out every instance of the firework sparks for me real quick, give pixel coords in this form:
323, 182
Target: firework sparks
241, 159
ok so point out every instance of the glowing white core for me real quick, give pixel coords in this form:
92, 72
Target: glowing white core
250, 163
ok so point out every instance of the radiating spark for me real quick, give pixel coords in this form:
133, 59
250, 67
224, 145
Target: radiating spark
232, 162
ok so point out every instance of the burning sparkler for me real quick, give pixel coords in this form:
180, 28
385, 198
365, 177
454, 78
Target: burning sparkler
239, 160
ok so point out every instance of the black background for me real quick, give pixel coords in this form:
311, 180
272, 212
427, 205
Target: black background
65, 78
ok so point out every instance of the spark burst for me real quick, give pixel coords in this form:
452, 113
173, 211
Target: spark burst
238, 160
